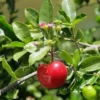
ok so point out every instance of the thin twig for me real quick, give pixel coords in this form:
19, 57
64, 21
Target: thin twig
13, 85
81, 43
89, 47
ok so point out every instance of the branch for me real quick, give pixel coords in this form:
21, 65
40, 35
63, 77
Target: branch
13, 85
89, 47
81, 43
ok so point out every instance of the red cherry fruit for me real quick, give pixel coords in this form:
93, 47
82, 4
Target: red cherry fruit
52, 75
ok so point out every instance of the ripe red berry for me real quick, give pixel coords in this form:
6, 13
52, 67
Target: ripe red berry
52, 75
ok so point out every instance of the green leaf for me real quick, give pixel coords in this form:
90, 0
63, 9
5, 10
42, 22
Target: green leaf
79, 19
90, 81
97, 12
36, 56
32, 16
30, 47
69, 8
50, 97
75, 95
36, 35
91, 68
46, 12
22, 71
78, 35
90, 64
8, 30
13, 44
66, 56
65, 15
22, 31
76, 57
7, 67
18, 55
79, 2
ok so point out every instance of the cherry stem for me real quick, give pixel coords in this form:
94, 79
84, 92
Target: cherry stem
16, 83
52, 53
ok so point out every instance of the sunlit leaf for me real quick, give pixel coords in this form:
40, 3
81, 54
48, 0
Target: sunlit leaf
79, 19
90, 64
22, 31
35, 56
30, 47
46, 12
32, 16
7, 67
69, 8
66, 56
18, 55
13, 44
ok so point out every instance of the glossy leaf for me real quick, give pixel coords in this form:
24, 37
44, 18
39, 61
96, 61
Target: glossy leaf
8, 30
90, 61
22, 31
36, 35
13, 44
78, 35
35, 56
32, 16
69, 8
46, 12
7, 67
30, 47
91, 68
79, 19
65, 15
66, 56
90, 81
97, 12
18, 55
76, 57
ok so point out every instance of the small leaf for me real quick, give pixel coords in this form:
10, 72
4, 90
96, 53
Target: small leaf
46, 12
76, 57
1, 33
91, 68
65, 15
69, 8
66, 56
32, 16
79, 19
13, 44
90, 81
7, 67
35, 56
8, 30
30, 47
36, 35
18, 55
90, 61
22, 71
22, 31
78, 35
